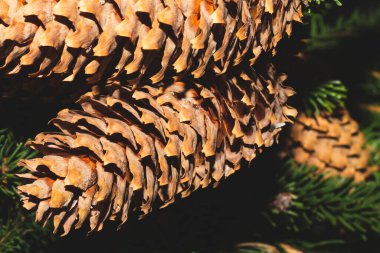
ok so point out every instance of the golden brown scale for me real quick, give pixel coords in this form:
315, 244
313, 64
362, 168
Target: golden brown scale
332, 143
138, 39
152, 144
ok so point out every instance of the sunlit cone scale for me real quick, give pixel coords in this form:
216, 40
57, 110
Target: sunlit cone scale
133, 148
331, 142
138, 39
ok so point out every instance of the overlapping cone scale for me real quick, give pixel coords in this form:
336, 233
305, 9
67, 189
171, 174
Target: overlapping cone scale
136, 147
137, 39
331, 142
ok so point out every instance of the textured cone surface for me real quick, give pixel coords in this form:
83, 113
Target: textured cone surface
137, 39
332, 143
132, 148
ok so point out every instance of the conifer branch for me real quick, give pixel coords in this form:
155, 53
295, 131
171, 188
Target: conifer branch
372, 86
319, 2
317, 200
18, 231
11, 152
372, 134
325, 35
325, 97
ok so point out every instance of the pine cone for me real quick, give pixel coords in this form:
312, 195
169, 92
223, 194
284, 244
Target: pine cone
137, 39
125, 149
331, 142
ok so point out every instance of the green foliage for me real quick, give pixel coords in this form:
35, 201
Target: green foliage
11, 152
18, 231
372, 134
325, 35
327, 201
325, 97
372, 86
319, 2
318, 6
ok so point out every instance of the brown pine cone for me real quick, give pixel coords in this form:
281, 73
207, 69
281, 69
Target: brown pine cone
137, 39
125, 150
331, 142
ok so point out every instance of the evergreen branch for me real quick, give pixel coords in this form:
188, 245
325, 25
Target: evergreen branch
372, 86
325, 97
334, 202
318, 6
11, 152
18, 231
324, 35
319, 2
372, 134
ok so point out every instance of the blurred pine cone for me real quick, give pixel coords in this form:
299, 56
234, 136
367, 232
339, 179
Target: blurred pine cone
266, 248
331, 142
124, 150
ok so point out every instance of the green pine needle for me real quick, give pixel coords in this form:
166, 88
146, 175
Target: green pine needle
324, 35
18, 231
330, 202
372, 85
326, 97
11, 152
372, 134
319, 2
